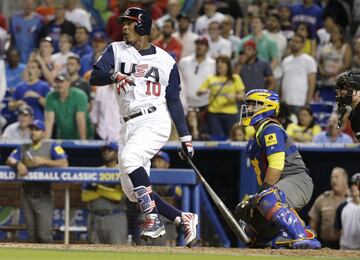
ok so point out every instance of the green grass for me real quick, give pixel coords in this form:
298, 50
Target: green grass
41, 254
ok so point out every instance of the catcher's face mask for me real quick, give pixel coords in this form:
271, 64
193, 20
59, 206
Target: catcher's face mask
344, 97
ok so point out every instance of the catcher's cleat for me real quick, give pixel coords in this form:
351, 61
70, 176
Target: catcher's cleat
188, 223
153, 227
284, 241
306, 244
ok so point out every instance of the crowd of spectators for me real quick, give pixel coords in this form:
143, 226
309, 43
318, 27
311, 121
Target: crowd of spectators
295, 48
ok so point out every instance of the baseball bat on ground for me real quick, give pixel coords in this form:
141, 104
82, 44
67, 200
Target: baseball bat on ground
225, 212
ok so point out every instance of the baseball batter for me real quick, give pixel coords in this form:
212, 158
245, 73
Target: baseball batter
147, 90
285, 184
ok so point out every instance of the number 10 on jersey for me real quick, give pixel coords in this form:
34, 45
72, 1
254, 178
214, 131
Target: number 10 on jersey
153, 88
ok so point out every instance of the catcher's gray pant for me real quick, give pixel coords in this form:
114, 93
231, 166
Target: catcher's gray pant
298, 189
38, 211
109, 229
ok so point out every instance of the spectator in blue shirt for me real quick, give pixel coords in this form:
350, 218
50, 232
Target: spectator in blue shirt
25, 28
99, 43
308, 12
31, 92
82, 46
14, 70
333, 134
255, 73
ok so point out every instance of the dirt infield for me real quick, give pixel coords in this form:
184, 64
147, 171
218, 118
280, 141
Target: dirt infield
198, 250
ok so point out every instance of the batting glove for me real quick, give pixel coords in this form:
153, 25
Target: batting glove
187, 147
122, 80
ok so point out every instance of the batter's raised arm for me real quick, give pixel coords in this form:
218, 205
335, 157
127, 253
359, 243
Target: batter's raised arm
103, 69
176, 111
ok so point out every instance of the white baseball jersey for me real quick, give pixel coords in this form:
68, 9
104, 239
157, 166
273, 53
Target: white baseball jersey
150, 72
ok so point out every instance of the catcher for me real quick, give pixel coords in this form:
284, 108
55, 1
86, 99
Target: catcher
269, 217
347, 88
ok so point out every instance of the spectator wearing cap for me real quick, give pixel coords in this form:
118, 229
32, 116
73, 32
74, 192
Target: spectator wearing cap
82, 46
25, 28
210, 15
19, 130
323, 211
107, 218
347, 220
266, 49
78, 16
46, 10
193, 70
72, 69
161, 160
99, 43
168, 42
173, 10
60, 58
256, 73
185, 36
43, 55
31, 92
36, 197
299, 75
226, 27
59, 25
67, 107
218, 46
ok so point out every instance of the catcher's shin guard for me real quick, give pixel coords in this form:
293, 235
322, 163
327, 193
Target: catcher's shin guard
272, 205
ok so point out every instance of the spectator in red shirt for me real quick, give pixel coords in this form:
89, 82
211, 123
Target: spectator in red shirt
113, 28
169, 43
152, 7
3, 21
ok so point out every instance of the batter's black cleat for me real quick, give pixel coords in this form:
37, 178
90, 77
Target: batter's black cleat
153, 227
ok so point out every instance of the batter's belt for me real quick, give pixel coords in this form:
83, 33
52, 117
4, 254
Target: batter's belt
140, 113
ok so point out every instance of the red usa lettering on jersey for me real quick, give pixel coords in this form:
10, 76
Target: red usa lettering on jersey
140, 70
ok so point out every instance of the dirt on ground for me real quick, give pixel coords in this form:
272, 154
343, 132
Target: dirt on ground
325, 252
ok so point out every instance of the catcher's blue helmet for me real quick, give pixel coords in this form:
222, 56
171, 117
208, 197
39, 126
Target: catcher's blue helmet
142, 18
265, 104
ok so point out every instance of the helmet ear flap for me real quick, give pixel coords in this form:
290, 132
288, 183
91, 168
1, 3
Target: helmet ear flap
140, 28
